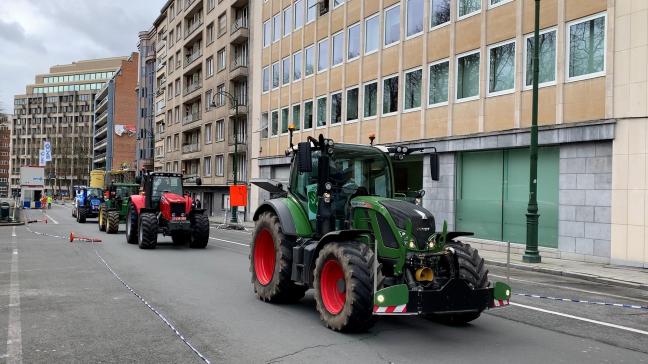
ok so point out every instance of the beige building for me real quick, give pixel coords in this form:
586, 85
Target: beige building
456, 75
58, 107
202, 52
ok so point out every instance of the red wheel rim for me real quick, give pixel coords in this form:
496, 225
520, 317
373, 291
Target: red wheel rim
264, 257
333, 287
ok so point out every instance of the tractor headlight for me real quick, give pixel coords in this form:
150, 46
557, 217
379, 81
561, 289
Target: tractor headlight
404, 150
328, 186
173, 214
399, 149
327, 197
412, 244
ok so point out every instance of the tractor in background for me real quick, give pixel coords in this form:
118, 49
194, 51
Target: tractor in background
165, 208
112, 212
338, 229
86, 203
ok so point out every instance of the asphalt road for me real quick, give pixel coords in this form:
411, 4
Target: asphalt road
65, 302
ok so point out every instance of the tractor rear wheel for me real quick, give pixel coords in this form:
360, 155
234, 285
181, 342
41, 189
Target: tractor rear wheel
81, 215
112, 222
271, 262
131, 224
344, 286
199, 231
148, 231
101, 219
473, 271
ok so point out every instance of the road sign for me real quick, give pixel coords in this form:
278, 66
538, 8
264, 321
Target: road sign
41, 158
48, 151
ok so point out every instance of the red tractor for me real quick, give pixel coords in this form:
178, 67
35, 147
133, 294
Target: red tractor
164, 208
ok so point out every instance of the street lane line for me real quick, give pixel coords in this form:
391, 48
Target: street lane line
229, 242
625, 328
13, 232
51, 218
14, 335
573, 289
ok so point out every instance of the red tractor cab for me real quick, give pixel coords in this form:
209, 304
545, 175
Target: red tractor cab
164, 208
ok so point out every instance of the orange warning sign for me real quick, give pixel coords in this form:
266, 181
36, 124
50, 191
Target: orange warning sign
238, 195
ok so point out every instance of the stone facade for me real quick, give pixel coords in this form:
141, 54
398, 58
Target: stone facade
439, 195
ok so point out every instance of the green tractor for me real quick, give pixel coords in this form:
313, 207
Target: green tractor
339, 230
113, 210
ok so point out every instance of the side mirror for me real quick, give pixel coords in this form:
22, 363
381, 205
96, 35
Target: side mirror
304, 157
198, 181
138, 180
434, 166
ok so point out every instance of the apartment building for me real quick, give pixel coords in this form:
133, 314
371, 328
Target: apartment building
115, 118
145, 142
202, 57
456, 75
58, 107
5, 150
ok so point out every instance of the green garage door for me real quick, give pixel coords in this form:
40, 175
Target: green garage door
493, 190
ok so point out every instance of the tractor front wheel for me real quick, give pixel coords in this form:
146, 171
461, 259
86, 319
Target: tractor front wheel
112, 222
81, 215
344, 286
102, 219
271, 262
131, 224
148, 231
199, 231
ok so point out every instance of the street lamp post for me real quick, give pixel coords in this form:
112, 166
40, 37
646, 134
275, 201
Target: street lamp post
531, 253
234, 102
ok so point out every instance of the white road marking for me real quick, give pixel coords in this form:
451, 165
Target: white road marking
51, 218
229, 242
625, 328
14, 335
13, 232
572, 288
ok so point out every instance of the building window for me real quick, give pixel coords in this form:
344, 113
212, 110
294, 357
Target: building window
468, 76
208, 133
210, 33
276, 28
370, 102
309, 67
372, 34
297, 66
219, 165
222, 24
353, 42
547, 55
586, 48
285, 65
321, 111
208, 100
267, 33
207, 164
390, 95
336, 108
209, 66
275, 75
438, 92
308, 114
414, 19
392, 25
311, 11
220, 95
413, 81
337, 3
274, 125
266, 79
287, 21
494, 3
501, 68
220, 130
264, 125
222, 59
352, 104
299, 14
338, 49
284, 120
296, 116
466, 8
322, 55
439, 13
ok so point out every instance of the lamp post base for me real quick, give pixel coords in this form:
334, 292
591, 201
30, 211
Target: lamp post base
531, 257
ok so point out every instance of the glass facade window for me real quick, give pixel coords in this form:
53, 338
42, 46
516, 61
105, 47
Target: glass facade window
284, 120
353, 42
415, 14
586, 48
370, 101
322, 55
308, 114
311, 11
336, 108
266, 79
413, 80
267, 33
390, 95
276, 71
468, 7
287, 20
297, 66
285, 65
352, 104
439, 12
501, 68
468, 76
438, 90
309, 66
299, 14
338, 49
392, 25
321, 111
274, 127
276, 28
547, 63
296, 116
372, 32
264, 125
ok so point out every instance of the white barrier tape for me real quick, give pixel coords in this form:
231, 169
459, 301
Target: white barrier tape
623, 305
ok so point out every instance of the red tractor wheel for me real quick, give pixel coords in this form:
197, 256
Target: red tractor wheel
264, 257
333, 287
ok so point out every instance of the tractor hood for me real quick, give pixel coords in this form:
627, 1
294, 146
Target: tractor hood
414, 219
172, 198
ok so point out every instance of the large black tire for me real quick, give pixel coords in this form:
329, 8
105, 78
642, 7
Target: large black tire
272, 284
112, 222
81, 215
180, 237
199, 231
354, 284
101, 219
73, 211
472, 270
148, 231
131, 224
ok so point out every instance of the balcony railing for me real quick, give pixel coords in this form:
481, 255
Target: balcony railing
231, 140
240, 23
190, 148
191, 88
160, 45
195, 25
101, 130
99, 156
160, 65
192, 57
188, 3
190, 118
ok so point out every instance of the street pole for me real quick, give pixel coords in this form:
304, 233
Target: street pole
235, 159
531, 254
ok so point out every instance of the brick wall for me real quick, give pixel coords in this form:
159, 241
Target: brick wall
585, 200
125, 112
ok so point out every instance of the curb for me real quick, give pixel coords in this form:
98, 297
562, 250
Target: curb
12, 223
583, 276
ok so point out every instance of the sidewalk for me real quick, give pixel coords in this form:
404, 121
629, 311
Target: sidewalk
595, 272
218, 221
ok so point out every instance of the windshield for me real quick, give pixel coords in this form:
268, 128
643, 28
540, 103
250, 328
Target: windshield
163, 184
360, 170
126, 191
94, 192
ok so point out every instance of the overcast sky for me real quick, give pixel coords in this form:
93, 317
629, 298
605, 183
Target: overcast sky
37, 34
